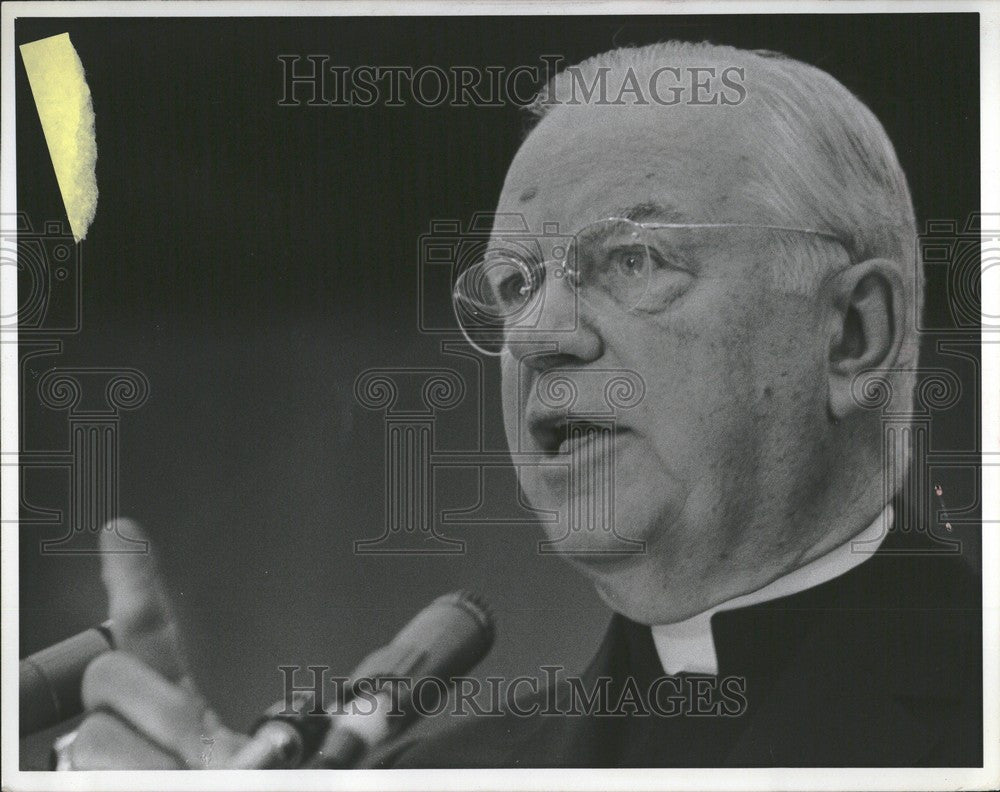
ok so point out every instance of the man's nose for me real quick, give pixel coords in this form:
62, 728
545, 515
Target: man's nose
562, 330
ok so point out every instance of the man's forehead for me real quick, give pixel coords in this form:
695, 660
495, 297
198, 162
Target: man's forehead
638, 163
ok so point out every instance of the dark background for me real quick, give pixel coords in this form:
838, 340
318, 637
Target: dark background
251, 260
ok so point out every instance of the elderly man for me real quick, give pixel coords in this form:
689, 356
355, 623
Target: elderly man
749, 263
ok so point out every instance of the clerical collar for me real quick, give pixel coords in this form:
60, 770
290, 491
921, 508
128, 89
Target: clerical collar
689, 646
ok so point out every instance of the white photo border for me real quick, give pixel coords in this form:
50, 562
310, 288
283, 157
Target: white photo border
987, 777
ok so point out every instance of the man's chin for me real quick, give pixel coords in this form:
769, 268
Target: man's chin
614, 529
600, 548
639, 594
621, 542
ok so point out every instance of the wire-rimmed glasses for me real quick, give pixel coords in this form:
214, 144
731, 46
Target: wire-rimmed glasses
614, 263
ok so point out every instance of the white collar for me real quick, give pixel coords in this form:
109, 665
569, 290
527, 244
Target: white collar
689, 645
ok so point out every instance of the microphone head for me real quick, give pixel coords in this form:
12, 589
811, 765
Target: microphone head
444, 640
476, 607
447, 638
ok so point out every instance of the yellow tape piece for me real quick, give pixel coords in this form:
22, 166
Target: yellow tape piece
62, 97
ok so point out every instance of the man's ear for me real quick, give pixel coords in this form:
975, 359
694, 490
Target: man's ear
865, 304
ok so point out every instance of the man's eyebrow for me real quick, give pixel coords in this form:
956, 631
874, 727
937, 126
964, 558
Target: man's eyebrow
653, 212
648, 210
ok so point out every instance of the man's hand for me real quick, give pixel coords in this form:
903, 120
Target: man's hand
145, 712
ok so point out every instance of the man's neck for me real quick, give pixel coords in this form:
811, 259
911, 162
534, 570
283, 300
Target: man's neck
688, 646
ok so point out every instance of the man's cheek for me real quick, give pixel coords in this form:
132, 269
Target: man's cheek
698, 423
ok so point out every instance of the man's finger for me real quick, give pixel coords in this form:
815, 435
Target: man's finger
169, 715
142, 619
103, 742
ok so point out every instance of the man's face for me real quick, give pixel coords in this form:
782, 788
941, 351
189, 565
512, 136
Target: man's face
715, 466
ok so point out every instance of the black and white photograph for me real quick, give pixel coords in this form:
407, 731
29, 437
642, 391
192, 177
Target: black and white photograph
500, 395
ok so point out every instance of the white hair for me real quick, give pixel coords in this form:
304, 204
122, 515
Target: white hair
828, 163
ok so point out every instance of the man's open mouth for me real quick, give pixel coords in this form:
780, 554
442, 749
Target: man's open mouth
558, 434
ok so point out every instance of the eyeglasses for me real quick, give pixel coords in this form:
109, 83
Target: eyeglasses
612, 264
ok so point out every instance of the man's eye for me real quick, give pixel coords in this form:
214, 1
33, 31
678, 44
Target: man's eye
514, 283
634, 263
514, 287
643, 262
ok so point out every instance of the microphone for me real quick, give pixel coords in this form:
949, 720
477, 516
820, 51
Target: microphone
49, 680
447, 638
